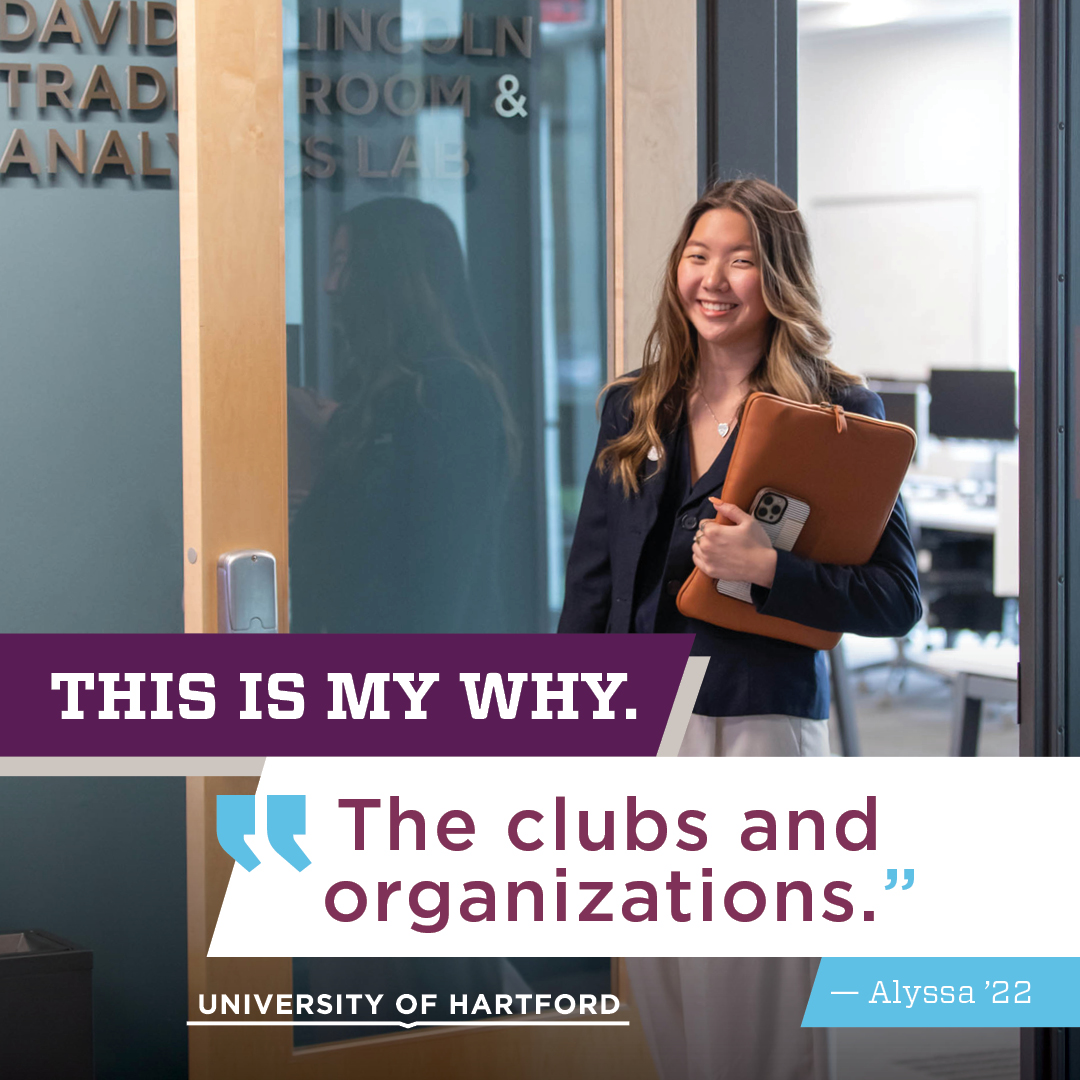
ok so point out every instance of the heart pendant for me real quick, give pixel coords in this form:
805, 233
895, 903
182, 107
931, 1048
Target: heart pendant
723, 429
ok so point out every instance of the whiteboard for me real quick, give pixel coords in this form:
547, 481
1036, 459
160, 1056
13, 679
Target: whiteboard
899, 281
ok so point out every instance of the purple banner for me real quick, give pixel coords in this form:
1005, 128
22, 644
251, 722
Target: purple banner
299, 695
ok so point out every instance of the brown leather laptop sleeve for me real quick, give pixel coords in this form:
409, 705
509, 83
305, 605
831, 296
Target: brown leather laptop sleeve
846, 466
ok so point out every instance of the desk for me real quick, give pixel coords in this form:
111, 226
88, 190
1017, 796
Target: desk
956, 542
979, 675
936, 503
952, 515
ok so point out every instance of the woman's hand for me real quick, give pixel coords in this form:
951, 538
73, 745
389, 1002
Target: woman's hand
739, 551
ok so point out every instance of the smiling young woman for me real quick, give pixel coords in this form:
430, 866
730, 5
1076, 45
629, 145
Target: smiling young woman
739, 312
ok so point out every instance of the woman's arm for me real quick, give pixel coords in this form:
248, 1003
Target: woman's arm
879, 599
588, 571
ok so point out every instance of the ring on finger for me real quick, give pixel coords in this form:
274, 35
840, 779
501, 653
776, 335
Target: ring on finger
698, 535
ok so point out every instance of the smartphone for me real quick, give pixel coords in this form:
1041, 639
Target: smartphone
782, 517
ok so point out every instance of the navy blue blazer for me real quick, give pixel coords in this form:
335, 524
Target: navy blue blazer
748, 674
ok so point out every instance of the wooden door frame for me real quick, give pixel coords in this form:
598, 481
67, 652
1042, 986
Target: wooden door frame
231, 146
232, 292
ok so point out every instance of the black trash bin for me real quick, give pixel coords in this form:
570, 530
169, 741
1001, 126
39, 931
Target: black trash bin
46, 1017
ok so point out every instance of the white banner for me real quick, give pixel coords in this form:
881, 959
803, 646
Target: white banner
694, 857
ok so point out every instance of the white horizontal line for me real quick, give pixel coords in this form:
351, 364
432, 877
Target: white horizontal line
843, 991
403, 1024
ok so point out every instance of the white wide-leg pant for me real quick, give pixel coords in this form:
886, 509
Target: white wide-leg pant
735, 1018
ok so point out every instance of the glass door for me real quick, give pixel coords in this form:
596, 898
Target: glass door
445, 298
445, 295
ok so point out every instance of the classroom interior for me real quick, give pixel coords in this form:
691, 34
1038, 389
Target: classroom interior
910, 190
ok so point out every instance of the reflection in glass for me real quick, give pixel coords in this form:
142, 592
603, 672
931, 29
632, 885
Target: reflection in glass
445, 290
400, 480
496, 306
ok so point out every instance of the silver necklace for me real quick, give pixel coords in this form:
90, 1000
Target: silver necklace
721, 428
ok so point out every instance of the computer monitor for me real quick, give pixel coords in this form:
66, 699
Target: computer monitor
901, 408
973, 404
904, 401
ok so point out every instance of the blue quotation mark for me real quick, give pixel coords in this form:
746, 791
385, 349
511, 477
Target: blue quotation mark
286, 818
909, 879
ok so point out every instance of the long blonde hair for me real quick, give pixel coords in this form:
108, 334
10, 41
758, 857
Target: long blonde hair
795, 364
